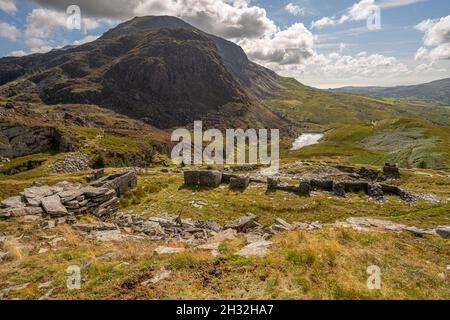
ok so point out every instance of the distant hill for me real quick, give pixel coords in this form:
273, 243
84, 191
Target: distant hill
437, 91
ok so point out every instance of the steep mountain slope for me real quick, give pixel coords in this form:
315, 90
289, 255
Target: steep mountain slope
166, 76
438, 91
258, 80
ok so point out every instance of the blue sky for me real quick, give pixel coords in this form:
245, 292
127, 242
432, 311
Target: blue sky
321, 43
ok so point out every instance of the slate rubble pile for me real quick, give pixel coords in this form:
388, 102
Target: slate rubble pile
66, 201
74, 162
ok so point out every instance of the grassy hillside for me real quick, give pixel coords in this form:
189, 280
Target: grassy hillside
350, 121
326, 264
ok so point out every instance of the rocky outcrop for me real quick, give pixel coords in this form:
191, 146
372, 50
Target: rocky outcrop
26, 166
20, 140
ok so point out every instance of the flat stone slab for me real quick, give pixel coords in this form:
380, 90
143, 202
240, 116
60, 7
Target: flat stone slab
168, 250
161, 275
13, 202
228, 234
20, 212
113, 235
98, 226
258, 249
94, 191
242, 224
15, 288
53, 206
34, 195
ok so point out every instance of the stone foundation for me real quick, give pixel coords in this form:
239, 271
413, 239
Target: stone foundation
205, 178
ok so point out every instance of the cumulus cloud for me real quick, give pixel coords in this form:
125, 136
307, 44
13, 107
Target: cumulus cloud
41, 23
357, 12
338, 67
8, 6
361, 10
294, 9
287, 47
226, 18
324, 22
9, 31
436, 40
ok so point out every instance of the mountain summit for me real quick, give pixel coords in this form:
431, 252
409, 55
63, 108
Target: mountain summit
159, 69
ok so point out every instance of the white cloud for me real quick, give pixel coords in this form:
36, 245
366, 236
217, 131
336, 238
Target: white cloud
339, 68
287, 47
8, 6
397, 3
294, 9
40, 46
436, 39
21, 53
86, 39
324, 22
357, 12
35, 42
41, 23
360, 11
226, 18
16, 53
9, 31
